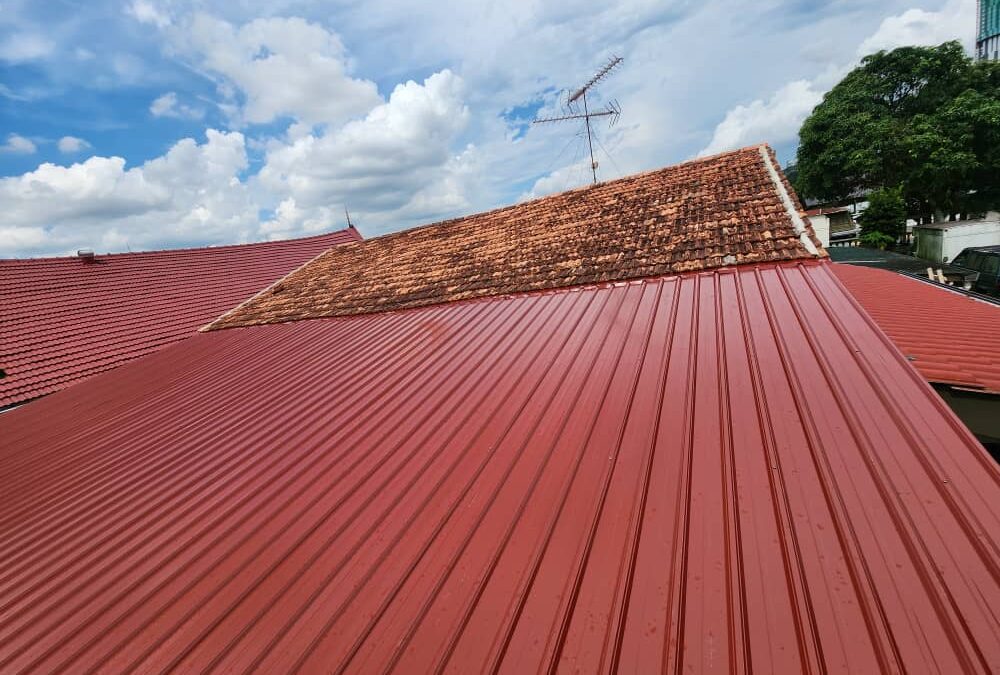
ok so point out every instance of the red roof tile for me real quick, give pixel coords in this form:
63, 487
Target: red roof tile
729, 209
950, 337
64, 320
717, 472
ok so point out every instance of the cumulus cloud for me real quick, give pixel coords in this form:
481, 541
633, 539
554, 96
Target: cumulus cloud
775, 120
283, 67
383, 163
18, 145
22, 47
192, 194
919, 27
778, 118
71, 144
168, 105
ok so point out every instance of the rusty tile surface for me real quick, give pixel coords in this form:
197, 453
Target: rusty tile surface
708, 213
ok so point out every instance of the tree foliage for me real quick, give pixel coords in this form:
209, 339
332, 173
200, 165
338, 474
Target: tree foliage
926, 119
885, 215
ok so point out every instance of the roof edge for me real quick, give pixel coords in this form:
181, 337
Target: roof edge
188, 249
806, 235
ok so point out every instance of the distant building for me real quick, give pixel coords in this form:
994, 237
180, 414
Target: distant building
988, 30
832, 224
941, 242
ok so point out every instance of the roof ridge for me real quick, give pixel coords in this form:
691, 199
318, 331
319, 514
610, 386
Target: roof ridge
188, 249
730, 208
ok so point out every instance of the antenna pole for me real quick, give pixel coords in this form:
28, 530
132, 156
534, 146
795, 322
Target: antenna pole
590, 142
612, 110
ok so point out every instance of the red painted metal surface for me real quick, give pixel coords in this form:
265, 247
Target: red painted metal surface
63, 320
718, 472
951, 338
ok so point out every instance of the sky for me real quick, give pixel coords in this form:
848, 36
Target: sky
149, 124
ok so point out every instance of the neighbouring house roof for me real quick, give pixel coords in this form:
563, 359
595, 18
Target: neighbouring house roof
897, 262
64, 319
718, 470
950, 337
827, 210
722, 210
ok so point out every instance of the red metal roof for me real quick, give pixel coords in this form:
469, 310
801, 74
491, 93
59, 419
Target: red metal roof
65, 319
717, 472
950, 337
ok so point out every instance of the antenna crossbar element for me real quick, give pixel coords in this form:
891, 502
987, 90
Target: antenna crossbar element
598, 76
612, 110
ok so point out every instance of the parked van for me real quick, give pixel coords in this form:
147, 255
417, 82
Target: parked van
986, 261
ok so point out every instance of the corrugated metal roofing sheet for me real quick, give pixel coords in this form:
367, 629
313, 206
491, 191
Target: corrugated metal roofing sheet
64, 320
951, 338
717, 472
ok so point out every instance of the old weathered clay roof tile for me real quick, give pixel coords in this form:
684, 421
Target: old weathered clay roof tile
711, 212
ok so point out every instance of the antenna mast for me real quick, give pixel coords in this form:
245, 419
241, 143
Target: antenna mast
612, 109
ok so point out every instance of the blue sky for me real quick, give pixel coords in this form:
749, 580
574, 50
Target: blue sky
141, 124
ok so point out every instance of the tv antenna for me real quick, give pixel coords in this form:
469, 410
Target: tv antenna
612, 109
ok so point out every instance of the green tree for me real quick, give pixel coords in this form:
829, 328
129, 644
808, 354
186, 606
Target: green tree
885, 215
923, 118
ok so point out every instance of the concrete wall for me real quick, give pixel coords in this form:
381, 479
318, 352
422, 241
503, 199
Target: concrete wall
821, 225
940, 243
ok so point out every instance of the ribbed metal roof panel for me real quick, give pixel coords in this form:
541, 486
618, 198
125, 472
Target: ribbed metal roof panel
716, 472
64, 319
951, 338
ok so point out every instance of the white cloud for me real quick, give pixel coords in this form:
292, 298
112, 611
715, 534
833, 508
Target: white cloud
22, 47
281, 66
396, 159
776, 120
146, 12
18, 145
72, 144
192, 194
956, 20
167, 105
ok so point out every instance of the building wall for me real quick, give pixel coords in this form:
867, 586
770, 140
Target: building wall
942, 244
821, 225
988, 30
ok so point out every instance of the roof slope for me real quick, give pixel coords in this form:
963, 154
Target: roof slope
715, 472
950, 337
64, 319
728, 209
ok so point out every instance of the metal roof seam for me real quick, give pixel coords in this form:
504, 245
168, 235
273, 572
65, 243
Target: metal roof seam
605, 483
179, 657
448, 650
177, 571
879, 631
447, 516
401, 645
908, 533
791, 546
635, 524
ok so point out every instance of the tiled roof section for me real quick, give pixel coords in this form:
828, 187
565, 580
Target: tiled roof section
731, 471
950, 337
707, 213
62, 319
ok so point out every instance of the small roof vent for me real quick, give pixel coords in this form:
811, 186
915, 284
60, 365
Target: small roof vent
86, 255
